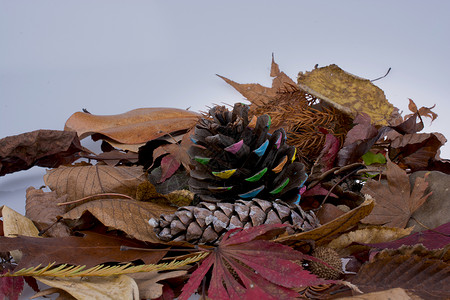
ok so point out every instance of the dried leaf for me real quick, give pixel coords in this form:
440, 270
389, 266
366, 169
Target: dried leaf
130, 216
41, 207
416, 270
436, 238
10, 287
90, 250
111, 287
169, 165
347, 92
82, 181
134, 127
423, 111
148, 285
324, 233
396, 293
366, 236
44, 148
395, 202
416, 150
328, 212
260, 95
264, 268
115, 157
14, 224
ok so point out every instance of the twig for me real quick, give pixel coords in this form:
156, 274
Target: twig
381, 76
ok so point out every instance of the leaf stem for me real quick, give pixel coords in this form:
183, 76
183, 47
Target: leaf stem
95, 196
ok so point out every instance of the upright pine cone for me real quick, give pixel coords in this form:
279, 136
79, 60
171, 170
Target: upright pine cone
208, 222
237, 158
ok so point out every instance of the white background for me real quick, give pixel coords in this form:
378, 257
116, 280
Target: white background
57, 57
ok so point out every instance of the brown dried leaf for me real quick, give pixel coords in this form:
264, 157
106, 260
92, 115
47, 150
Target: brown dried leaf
134, 127
82, 181
148, 285
416, 150
328, 212
324, 233
92, 249
260, 95
347, 92
396, 293
423, 111
115, 157
415, 269
367, 235
44, 148
395, 202
42, 209
130, 216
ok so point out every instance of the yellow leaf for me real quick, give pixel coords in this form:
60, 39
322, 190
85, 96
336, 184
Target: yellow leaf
96, 288
15, 224
347, 92
322, 234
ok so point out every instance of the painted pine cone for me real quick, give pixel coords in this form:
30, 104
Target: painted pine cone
235, 158
208, 222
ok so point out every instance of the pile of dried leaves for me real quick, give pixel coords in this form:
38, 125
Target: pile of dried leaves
375, 182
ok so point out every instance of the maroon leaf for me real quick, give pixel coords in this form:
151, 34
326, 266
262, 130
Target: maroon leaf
169, 165
329, 152
416, 150
432, 239
264, 268
44, 148
11, 287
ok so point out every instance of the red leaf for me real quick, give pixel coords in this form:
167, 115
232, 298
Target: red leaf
11, 287
264, 268
169, 165
432, 239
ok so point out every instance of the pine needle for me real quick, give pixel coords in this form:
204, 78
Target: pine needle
65, 270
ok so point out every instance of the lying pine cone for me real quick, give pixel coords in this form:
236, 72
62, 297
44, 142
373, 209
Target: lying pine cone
208, 222
235, 158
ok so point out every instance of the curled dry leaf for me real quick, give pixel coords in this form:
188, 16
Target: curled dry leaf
395, 202
396, 293
134, 127
416, 150
83, 181
41, 207
422, 272
111, 287
436, 238
130, 216
90, 250
324, 233
347, 92
260, 95
367, 235
148, 285
44, 148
